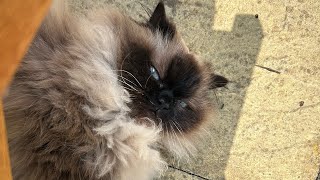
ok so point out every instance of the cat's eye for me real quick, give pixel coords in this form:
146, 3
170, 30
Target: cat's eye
154, 73
183, 104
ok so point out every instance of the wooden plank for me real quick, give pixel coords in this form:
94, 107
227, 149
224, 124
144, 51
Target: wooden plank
18, 24
5, 170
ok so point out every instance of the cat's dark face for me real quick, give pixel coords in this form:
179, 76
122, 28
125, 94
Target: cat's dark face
166, 82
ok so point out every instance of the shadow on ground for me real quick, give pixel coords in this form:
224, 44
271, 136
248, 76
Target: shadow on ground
234, 55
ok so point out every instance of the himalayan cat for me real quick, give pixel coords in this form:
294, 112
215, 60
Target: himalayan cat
97, 96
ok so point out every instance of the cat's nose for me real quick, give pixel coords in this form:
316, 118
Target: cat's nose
165, 99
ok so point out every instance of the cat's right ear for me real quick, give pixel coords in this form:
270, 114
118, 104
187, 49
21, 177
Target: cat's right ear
218, 81
159, 21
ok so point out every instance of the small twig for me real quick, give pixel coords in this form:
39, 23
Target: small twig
269, 69
187, 172
218, 100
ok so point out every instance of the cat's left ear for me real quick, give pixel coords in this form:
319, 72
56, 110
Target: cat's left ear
218, 81
159, 21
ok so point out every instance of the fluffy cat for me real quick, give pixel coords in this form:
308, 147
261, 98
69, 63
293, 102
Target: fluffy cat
97, 96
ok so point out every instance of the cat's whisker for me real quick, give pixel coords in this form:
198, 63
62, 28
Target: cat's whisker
145, 85
126, 79
137, 89
166, 129
133, 86
121, 69
176, 125
125, 59
128, 89
131, 76
129, 86
175, 134
172, 141
186, 141
172, 135
123, 81
205, 131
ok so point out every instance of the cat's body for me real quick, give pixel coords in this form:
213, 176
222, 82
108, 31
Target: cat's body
78, 106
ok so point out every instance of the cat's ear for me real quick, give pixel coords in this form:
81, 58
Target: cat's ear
218, 81
159, 21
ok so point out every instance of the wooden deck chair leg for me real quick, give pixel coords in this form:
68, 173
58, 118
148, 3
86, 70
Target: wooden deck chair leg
19, 21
